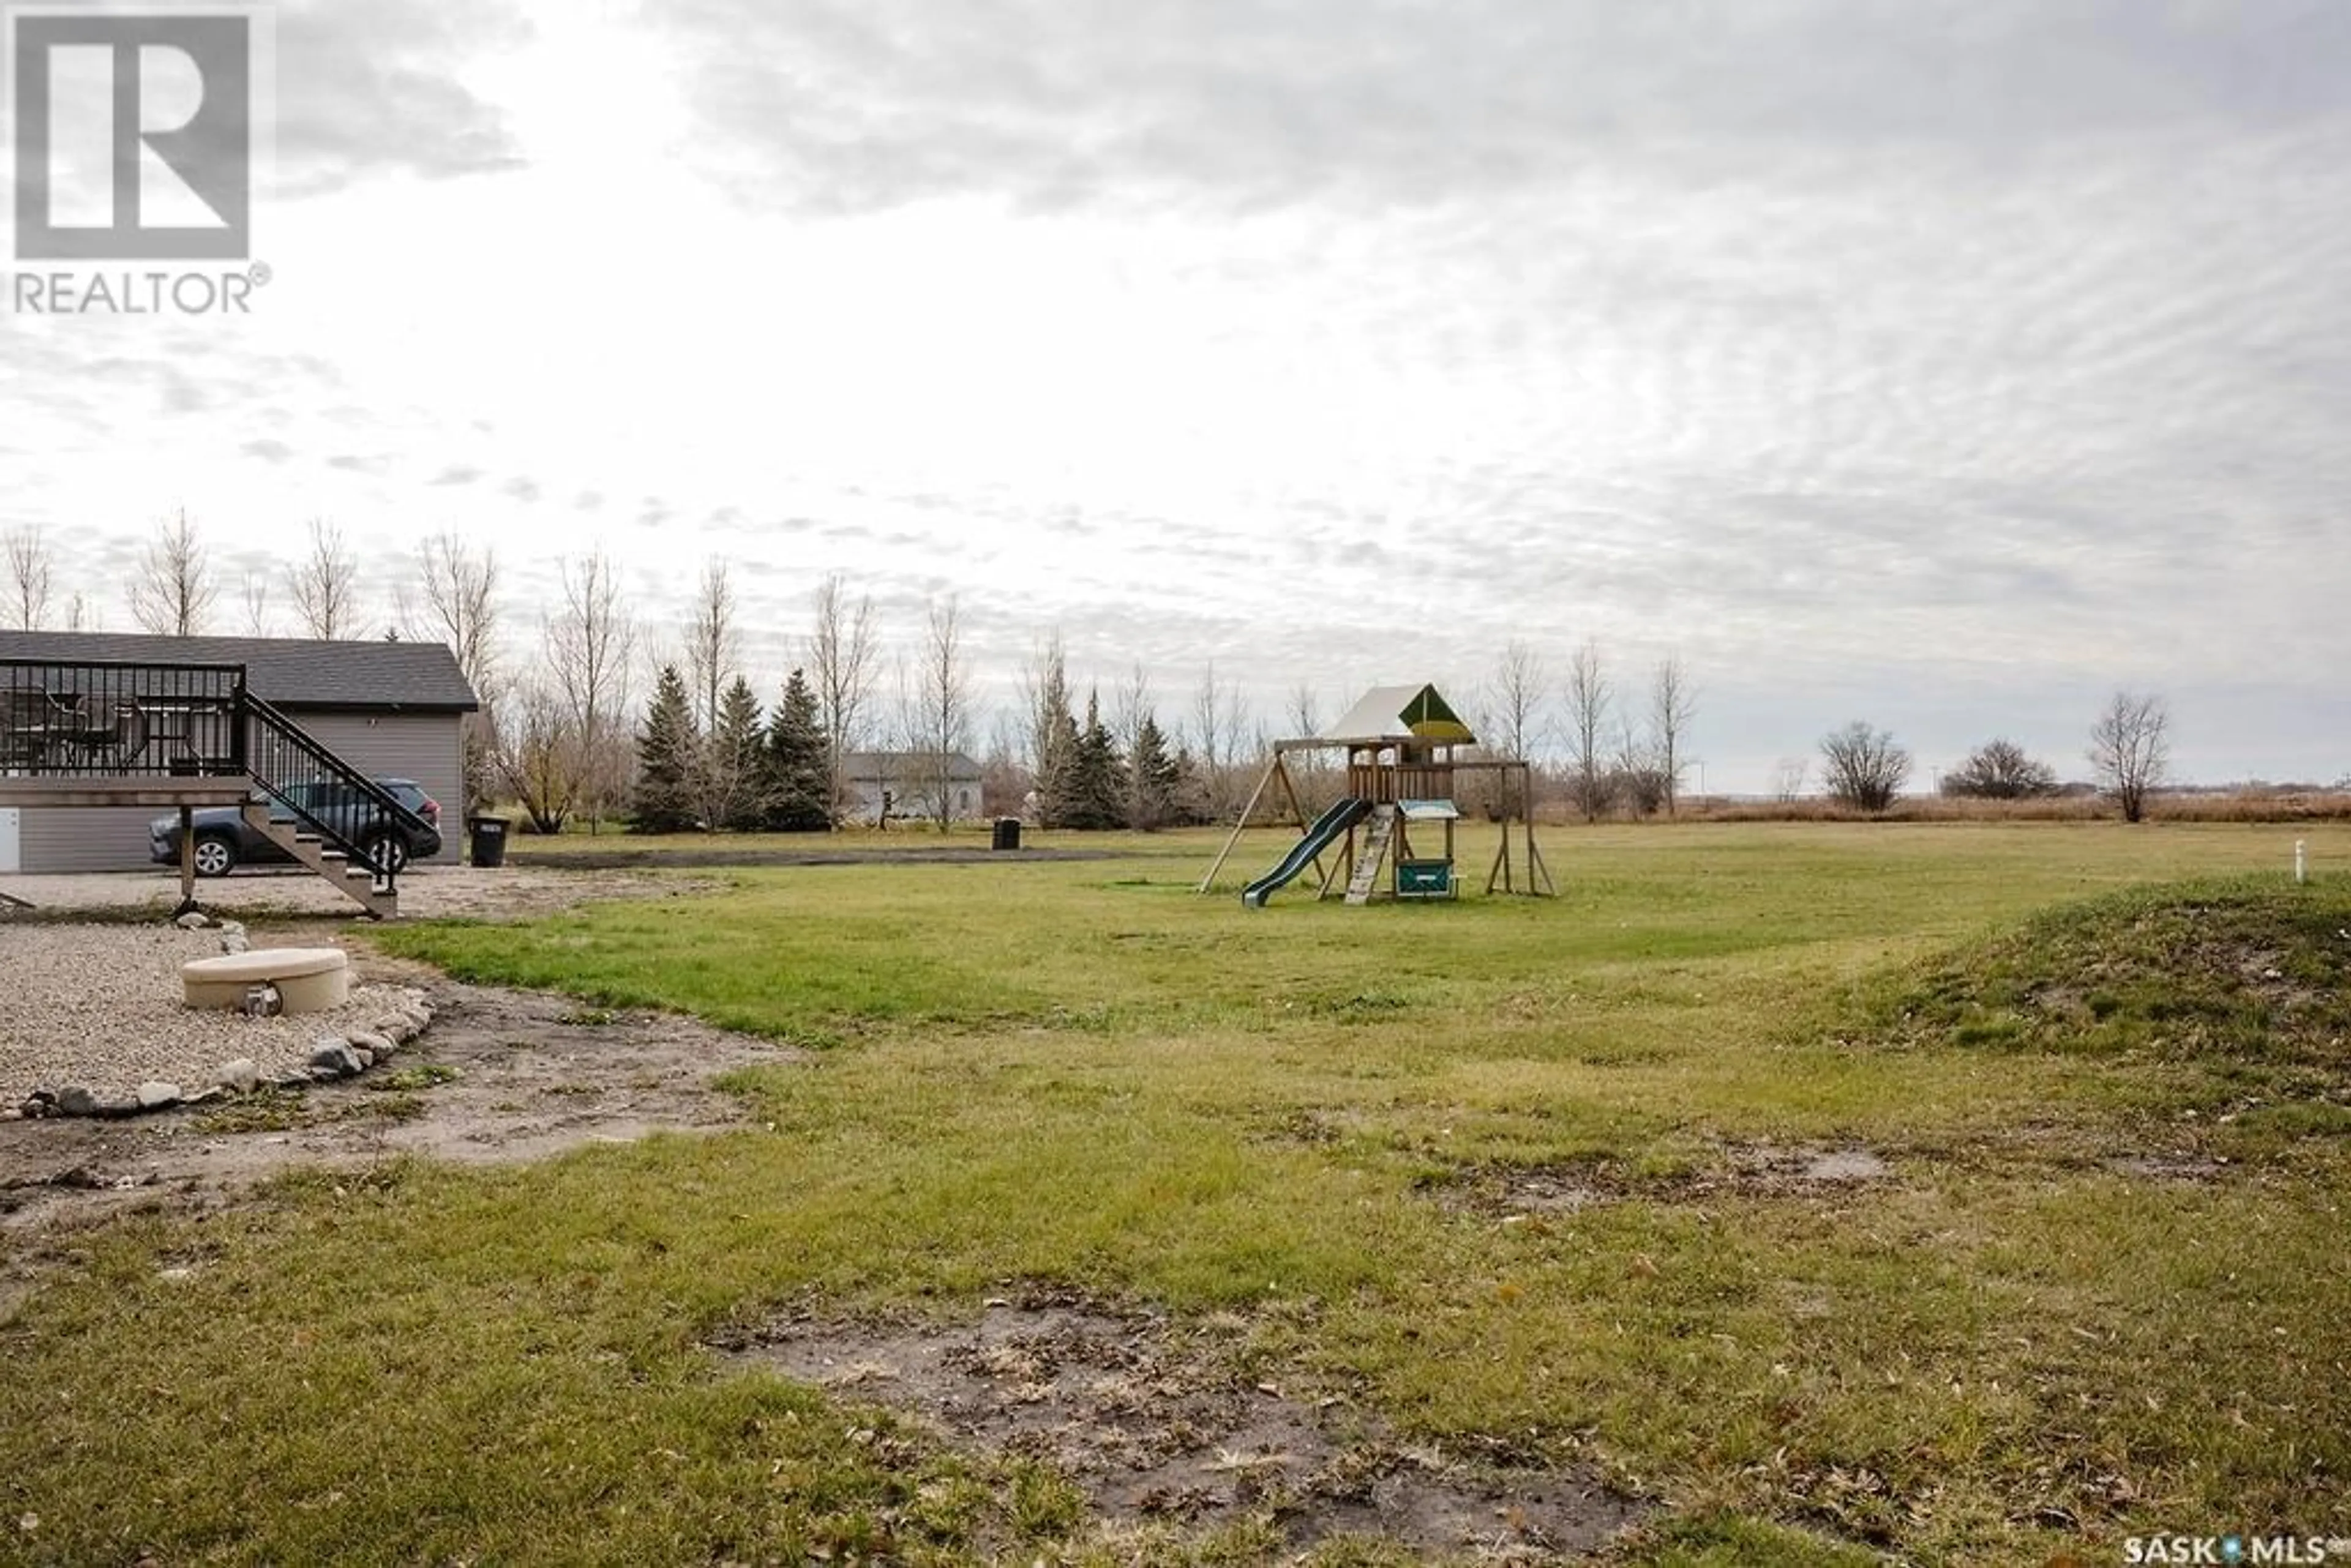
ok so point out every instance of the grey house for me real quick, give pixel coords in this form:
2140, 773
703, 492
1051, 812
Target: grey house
389, 709
911, 782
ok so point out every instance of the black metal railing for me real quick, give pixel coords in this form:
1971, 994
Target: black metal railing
104, 719
343, 806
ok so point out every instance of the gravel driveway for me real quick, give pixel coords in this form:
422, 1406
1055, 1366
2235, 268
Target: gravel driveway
98, 1005
426, 893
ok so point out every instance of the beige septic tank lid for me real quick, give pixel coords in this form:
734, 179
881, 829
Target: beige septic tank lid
265, 964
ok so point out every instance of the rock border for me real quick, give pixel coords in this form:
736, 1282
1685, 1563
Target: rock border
333, 1057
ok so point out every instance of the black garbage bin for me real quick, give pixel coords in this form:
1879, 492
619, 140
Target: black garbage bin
1007, 833
489, 836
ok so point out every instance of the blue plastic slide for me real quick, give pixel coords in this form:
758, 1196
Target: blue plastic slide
1332, 824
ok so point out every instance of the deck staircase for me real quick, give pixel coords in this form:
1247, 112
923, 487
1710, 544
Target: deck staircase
351, 875
326, 813
1377, 831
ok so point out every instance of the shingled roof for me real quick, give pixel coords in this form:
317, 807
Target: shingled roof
292, 672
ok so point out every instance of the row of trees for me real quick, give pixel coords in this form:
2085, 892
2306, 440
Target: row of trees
1120, 772
1624, 749
561, 734
2129, 756
750, 773
175, 587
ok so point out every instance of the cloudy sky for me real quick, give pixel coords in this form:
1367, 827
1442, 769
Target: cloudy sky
1943, 366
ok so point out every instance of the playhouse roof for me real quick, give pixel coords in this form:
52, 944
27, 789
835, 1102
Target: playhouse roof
1388, 713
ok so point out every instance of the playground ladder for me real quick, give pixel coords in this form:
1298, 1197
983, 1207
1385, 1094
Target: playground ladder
1377, 834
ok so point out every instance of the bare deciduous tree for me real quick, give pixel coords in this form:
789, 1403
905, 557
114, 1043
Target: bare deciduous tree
1051, 736
899, 734
711, 645
717, 776
1589, 698
80, 616
1130, 705
590, 644
461, 609
461, 613
255, 596
2130, 750
1512, 706
325, 585
1999, 770
1638, 779
538, 754
1863, 766
1673, 704
943, 717
1788, 776
842, 652
28, 577
1514, 699
1217, 721
1311, 773
174, 589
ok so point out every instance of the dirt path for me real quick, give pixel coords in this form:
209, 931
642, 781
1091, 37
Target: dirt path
501, 1075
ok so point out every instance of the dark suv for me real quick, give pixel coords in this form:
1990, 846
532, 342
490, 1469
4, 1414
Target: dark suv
225, 840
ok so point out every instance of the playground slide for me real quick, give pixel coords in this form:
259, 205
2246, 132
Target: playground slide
1329, 826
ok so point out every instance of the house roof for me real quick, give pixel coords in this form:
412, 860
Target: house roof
1386, 715
895, 766
292, 672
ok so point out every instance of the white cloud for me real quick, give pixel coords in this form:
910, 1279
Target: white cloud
1941, 367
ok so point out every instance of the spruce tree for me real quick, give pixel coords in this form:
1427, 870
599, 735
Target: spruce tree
737, 761
1151, 779
662, 798
1097, 793
1190, 793
1057, 773
797, 771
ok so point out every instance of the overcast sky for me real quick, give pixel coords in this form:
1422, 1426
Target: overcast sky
1942, 366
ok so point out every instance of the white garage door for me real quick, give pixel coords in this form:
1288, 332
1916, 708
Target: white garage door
8, 855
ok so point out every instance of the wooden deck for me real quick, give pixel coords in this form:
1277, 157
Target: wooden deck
98, 790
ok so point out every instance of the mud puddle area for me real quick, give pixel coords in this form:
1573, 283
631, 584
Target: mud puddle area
1162, 1422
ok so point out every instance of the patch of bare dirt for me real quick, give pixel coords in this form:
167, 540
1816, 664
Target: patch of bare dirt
1160, 1421
501, 1075
1741, 1170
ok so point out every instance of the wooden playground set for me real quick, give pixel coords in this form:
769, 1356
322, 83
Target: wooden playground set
1404, 747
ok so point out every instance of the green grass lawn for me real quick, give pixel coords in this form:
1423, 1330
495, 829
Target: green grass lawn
2099, 1292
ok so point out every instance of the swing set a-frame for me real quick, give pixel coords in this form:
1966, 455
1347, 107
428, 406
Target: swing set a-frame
1403, 746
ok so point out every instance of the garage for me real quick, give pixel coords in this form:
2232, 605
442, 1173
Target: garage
390, 709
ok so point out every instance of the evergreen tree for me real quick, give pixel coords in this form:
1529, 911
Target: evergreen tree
798, 772
1097, 790
736, 761
1151, 779
662, 798
1190, 795
1057, 776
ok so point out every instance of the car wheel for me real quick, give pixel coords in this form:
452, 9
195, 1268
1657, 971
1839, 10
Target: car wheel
215, 854
387, 853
